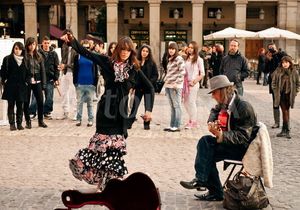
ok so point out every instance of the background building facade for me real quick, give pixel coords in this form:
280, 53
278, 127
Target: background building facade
154, 22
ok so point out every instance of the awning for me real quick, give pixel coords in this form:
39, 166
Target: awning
230, 33
55, 31
277, 33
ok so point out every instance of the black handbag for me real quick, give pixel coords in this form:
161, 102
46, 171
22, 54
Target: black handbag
158, 85
245, 193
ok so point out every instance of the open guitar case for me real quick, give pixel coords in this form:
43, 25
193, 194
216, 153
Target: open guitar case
136, 192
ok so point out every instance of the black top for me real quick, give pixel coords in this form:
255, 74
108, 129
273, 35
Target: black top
150, 71
242, 121
16, 79
235, 67
112, 110
50, 62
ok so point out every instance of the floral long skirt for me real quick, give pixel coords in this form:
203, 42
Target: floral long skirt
101, 161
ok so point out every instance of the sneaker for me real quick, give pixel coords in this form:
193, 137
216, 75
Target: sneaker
174, 129
64, 116
188, 125
167, 129
32, 116
74, 117
90, 124
78, 123
194, 124
48, 116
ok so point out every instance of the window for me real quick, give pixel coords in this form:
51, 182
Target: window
171, 12
253, 13
139, 11
212, 12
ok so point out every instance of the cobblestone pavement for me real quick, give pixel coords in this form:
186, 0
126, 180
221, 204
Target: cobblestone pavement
34, 163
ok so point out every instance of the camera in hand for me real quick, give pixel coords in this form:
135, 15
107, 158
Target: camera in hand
271, 50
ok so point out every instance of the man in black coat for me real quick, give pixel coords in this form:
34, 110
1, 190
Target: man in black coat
235, 66
232, 123
52, 74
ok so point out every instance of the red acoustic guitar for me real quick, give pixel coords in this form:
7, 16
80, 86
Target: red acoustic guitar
136, 192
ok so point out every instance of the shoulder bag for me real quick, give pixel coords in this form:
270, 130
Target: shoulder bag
245, 193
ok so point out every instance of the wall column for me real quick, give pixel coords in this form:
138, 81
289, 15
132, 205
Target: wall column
30, 15
281, 20
291, 25
154, 29
112, 20
72, 16
44, 22
240, 20
197, 23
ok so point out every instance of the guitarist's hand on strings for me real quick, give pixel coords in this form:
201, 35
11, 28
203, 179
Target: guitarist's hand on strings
215, 129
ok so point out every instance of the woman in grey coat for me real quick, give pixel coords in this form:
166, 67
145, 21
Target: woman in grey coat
285, 85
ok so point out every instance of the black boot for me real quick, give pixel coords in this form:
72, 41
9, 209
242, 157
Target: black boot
283, 132
28, 124
11, 120
288, 136
276, 114
42, 124
20, 127
19, 121
288, 131
12, 127
147, 125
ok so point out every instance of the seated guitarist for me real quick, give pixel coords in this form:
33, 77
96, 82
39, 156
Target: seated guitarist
232, 123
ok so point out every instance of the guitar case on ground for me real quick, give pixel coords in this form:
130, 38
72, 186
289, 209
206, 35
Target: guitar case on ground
136, 192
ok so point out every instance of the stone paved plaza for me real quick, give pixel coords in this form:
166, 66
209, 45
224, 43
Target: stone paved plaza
34, 163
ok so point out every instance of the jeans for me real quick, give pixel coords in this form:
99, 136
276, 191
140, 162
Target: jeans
208, 153
85, 93
32, 106
174, 96
265, 79
240, 90
37, 91
48, 104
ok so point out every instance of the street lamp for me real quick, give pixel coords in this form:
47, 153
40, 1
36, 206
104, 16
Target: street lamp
51, 13
92, 13
261, 14
10, 14
218, 14
176, 14
133, 14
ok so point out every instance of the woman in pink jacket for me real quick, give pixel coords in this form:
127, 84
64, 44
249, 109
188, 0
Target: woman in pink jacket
194, 68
